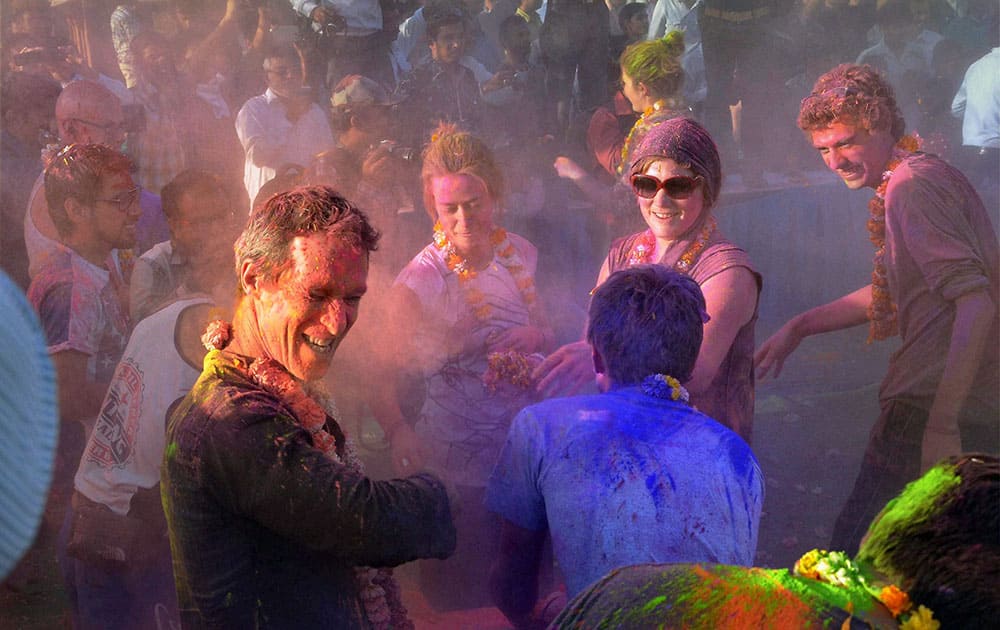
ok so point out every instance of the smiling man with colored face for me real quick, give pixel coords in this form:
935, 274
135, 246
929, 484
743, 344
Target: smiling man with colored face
270, 514
935, 282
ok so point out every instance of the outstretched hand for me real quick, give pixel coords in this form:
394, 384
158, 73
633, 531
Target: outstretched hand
772, 354
566, 371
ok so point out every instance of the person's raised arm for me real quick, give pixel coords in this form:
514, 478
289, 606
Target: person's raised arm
969, 338
845, 312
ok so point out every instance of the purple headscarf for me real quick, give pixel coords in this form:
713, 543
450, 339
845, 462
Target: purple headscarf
686, 142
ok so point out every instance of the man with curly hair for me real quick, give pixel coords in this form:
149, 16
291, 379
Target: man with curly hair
935, 282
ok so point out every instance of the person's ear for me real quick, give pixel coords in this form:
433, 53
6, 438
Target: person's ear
251, 277
77, 212
643, 89
598, 361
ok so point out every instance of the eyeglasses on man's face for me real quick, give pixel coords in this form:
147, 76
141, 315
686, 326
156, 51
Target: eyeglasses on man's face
124, 200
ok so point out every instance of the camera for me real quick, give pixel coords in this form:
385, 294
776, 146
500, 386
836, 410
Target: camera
407, 154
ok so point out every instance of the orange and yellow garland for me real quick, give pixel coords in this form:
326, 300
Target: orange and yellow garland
642, 251
506, 256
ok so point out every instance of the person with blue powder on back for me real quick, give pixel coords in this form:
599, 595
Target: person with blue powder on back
633, 474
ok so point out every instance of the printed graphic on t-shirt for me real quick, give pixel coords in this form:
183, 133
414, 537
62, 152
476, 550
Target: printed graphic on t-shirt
113, 442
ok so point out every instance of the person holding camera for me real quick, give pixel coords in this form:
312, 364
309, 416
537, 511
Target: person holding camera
283, 125
348, 37
383, 168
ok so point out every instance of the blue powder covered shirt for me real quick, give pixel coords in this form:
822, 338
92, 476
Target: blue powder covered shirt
624, 478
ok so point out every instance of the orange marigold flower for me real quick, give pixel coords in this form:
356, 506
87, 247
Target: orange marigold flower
896, 600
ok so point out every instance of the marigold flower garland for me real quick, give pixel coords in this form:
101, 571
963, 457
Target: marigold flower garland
378, 591
665, 387
644, 246
881, 310
510, 366
656, 111
834, 567
508, 258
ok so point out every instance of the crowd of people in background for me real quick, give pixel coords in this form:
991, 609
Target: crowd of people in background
469, 167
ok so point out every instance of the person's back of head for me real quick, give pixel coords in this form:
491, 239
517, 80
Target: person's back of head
656, 63
646, 320
939, 539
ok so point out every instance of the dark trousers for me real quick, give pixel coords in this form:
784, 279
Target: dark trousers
892, 460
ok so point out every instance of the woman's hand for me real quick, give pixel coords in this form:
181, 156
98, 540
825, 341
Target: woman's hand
407, 451
568, 169
566, 371
775, 350
526, 339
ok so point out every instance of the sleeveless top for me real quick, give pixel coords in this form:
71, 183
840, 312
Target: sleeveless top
730, 397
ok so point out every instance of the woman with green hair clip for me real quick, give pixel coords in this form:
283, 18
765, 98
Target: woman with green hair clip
651, 84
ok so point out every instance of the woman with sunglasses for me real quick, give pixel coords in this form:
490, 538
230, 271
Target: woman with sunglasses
675, 173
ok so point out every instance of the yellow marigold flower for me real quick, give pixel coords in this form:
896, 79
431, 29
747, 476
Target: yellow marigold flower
806, 565
497, 236
896, 600
922, 619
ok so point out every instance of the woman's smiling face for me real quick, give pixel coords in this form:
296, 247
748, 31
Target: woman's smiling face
670, 218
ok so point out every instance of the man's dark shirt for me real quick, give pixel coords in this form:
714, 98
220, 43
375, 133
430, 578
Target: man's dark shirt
265, 529
439, 92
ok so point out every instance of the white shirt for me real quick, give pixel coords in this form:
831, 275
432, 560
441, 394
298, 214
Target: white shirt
977, 102
125, 448
262, 123
673, 15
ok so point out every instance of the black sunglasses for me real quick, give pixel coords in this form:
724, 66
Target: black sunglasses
679, 187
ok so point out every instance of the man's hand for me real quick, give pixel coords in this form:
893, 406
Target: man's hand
565, 371
526, 339
775, 350
380, 166
407, 451
501, 79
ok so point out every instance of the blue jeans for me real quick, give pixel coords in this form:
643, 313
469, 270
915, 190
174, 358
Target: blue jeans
118, 596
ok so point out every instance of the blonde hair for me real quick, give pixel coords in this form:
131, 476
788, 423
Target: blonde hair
455, 152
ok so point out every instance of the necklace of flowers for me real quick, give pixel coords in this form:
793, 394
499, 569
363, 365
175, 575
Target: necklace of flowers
506, 255
644, 246
664, 386
837, 569
639, 126
882, 309
379, 592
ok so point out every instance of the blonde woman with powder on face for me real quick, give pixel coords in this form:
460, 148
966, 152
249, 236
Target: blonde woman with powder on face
465, 331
